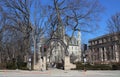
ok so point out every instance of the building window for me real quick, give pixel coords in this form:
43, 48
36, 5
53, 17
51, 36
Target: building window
97, 41
104, 39
116, 38
94, 42
111, 38
100, 41
77, 42
76, 48
90, 43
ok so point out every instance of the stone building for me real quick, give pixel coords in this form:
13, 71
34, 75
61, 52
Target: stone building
74, 48
104, 49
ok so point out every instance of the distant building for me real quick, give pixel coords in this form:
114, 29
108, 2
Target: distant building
104, 49
84, 49
74, 49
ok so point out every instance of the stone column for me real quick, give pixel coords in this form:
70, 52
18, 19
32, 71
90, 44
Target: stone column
42, 65
116, 53
67, 64
101, 52
110, 51
93, 57
105, 54
79, 45
90, 55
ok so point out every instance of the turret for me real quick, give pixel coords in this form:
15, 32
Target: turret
79, 44
79, 38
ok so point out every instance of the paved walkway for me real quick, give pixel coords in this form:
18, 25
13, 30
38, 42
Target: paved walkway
58, 73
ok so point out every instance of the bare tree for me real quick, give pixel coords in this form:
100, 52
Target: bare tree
38, 26
18, 19
77, 15
114, 23
113, 26
67, 17
23, 28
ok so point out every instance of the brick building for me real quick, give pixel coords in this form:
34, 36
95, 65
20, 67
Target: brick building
104, 49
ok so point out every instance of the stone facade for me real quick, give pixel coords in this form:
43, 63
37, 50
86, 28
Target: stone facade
75, 47
41, 64
104, 49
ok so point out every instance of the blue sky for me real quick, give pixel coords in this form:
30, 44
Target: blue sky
111, 7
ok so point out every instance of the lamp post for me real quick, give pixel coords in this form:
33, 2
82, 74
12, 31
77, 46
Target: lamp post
29, 62
84, 55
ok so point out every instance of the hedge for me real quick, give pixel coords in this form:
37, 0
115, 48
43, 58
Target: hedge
18, 65
80, 66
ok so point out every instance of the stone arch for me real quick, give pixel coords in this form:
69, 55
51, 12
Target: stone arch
65, 51
57, 40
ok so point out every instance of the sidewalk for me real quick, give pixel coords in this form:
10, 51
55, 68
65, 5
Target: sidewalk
59, 73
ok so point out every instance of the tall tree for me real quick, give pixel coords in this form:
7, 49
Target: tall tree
18, 19
23, 25
69, 16
73, 15
38, 25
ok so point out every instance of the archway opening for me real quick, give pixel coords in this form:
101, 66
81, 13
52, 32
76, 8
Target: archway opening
55, 53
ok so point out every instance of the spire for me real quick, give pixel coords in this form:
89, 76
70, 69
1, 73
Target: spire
79, 37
